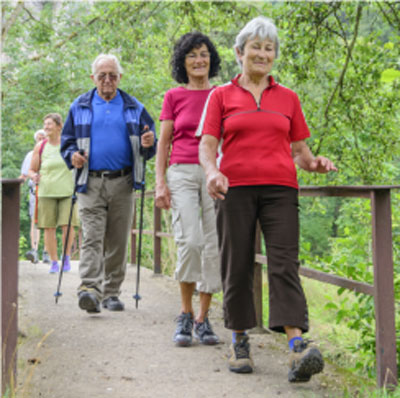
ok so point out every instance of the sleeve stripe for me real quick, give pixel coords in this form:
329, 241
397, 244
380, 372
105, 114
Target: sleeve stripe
200, 127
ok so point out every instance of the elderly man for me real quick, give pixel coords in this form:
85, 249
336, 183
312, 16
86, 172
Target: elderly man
32, 255
114, 131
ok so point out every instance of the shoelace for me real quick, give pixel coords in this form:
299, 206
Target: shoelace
205, 328
242, 349
301, 345
186, 323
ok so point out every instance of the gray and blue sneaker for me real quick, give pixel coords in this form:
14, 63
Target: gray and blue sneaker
46, 257
183, 332
88, 301
305, 360
32, 256
240, 360
204, 333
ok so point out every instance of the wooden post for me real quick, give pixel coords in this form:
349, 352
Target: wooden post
157, 240
258, 287
9, 281
384, 291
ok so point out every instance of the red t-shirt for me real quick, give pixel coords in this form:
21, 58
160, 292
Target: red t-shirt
255, 147
184, 107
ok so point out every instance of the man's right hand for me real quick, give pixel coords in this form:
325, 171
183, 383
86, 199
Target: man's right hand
78, 160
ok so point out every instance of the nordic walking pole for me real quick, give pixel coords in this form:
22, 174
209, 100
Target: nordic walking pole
57, 294
137, 296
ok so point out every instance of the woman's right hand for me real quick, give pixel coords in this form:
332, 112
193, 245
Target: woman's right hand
217, 184
163, 196
35, 178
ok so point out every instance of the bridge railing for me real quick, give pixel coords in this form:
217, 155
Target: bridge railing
382, 288
10, 199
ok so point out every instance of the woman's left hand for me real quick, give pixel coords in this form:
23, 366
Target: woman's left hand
321, 164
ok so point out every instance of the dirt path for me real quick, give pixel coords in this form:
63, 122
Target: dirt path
65, 353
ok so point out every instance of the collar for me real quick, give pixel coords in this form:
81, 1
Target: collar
86, 99
117, 99
270, 78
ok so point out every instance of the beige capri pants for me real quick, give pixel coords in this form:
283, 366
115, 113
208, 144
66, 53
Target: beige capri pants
194, 225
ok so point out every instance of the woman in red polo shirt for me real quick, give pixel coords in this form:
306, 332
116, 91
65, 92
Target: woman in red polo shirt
260, 130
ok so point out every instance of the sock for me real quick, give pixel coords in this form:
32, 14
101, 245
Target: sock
66, 261
54, 263
291, 342
234, 334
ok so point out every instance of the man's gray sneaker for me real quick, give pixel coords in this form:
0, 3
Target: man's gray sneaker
183, 332
240, 360
46, 257
305, 360
32, 256
88, 301
204, 333
113, 303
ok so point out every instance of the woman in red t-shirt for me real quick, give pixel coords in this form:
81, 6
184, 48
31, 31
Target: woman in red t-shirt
194, 61
261, 131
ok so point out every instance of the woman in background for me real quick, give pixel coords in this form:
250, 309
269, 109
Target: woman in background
56, 187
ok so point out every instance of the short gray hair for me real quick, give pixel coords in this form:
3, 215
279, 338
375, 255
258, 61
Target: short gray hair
261, 27
105, 57
39, 132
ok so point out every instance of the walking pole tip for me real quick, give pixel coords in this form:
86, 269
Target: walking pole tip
57, 295
137, 297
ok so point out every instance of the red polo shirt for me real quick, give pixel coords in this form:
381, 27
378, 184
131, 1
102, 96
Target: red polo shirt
255, 147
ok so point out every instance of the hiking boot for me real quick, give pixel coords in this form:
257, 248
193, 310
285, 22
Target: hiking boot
32, 256
113, 303
240, 361
204, 333
88, 301
45, 257
305, 360
54, 267
183, 332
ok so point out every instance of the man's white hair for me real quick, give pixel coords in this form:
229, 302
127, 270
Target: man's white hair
105, 57
39, 132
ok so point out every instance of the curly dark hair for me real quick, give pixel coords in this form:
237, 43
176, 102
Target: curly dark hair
183, 46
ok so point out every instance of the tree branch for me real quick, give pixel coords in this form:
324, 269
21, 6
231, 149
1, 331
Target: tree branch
67, 39
10, 22
339, 83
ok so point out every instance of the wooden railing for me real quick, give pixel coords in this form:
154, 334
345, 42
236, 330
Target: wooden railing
382, 289
10, 198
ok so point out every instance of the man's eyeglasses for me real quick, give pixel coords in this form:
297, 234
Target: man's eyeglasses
111, 76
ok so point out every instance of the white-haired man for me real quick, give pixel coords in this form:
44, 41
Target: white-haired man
114, 131
32, 255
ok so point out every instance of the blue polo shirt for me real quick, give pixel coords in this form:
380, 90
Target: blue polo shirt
110, 148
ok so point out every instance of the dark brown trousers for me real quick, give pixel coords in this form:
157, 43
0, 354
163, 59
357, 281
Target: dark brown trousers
276, 209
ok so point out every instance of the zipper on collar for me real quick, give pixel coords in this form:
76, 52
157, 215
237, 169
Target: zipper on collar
258, 104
